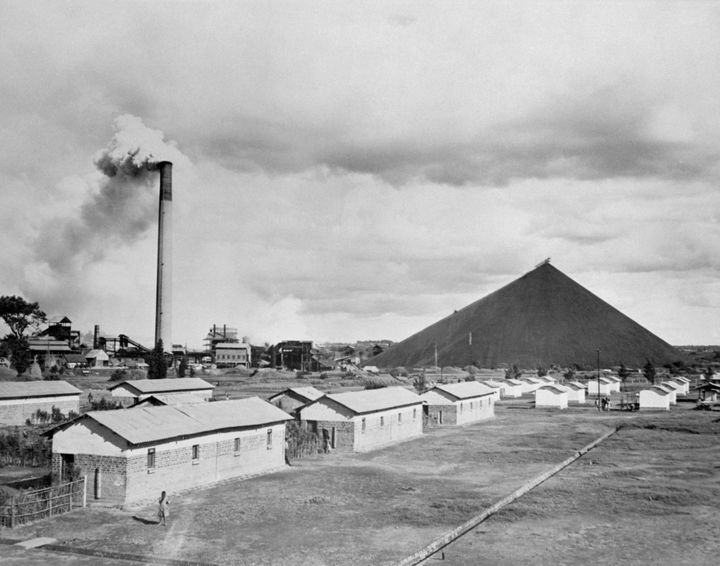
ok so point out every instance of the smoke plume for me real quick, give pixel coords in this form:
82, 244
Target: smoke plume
121, 205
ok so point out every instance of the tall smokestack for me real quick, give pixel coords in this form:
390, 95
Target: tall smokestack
163, 302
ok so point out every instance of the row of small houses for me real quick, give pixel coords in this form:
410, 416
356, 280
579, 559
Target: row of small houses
171, 438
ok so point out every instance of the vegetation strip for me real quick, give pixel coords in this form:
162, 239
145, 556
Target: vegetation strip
457, 532
123, 556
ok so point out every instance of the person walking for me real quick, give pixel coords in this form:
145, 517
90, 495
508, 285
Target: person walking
163, 510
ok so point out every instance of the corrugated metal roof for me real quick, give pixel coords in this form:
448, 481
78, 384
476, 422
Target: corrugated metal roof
660, 390
308, 392
20, 389
174, 399
553, 388
153, 424
371, 400
166, 385
466, 389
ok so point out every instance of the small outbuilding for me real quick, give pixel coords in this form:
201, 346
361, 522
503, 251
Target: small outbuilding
291, 399
21, 400
97, 359
606, 387
708, 392
551, 397
509, 388
359, 421
655, 398
681, 388
133, 455
576, 392
132, 391
459, 403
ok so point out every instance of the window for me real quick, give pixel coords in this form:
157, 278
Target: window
382, 421
399, 417
195, 453
151, 458
236, 444
362, 422
269, 439
414, 414
461, 406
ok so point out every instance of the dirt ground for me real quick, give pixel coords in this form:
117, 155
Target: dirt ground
647, 495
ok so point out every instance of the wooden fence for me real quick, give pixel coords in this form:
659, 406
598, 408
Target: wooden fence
39, 504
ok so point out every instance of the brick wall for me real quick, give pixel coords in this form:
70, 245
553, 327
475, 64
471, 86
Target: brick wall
386, 427
16, 413
344, 434
449, 414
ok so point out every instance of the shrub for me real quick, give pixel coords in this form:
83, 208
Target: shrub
119, 375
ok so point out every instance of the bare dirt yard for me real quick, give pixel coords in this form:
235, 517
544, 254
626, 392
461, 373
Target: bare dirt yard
647, 495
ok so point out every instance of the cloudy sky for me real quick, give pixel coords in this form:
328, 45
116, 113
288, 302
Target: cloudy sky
349, 170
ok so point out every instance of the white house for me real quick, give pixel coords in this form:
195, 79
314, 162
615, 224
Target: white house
291, 399
655, 398
20, 400
551, 396
132, 455
606, 387
517, 385
459, 403
576, 392
507, 389
615, 382
531, 384
681, 388
671, 390
359, 421
132, 391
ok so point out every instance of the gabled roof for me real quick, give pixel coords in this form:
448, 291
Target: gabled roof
514, 381
553, 388
173, 399
373, 400
22, 389
305, 393
659, 390
145, 386
574, 385
143, 425
466, 389
672, 384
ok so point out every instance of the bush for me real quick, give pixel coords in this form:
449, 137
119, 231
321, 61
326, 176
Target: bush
118, 375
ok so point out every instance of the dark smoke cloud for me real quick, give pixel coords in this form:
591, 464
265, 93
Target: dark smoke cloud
119, 209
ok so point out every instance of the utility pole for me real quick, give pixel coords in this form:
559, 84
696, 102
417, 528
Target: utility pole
598, 379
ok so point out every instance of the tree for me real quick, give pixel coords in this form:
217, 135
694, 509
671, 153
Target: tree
157, 366
420, 384
20, 315
569, 374
541, 371
623, 372
182, 368
513, 373
649, 371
